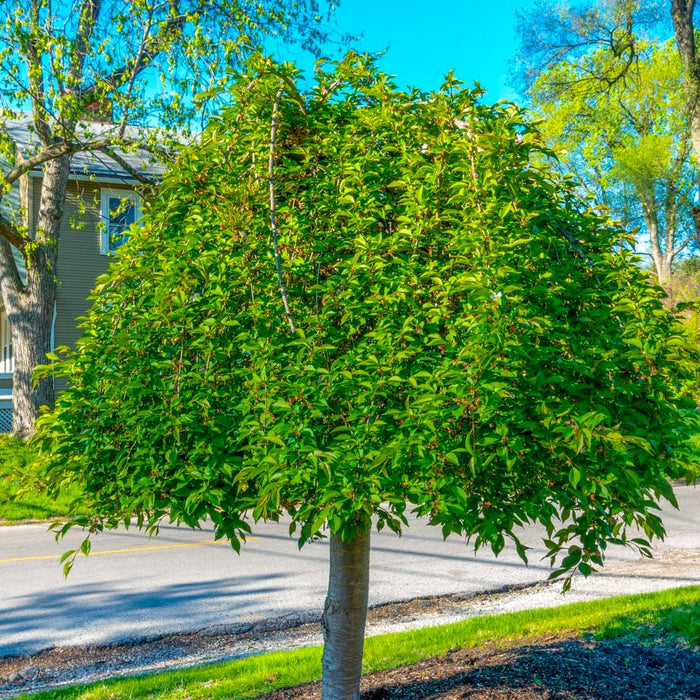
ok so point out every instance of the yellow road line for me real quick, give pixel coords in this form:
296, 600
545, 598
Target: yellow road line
123, 551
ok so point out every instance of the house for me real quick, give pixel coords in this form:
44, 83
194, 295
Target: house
100, 205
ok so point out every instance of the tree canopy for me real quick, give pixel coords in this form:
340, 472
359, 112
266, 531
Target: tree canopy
562, 32
619, 58
627, 142
352, 300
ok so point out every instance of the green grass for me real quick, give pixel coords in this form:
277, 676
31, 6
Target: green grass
21, 496
669, 617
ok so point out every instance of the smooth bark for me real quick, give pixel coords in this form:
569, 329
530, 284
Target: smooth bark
663, 258
344, 617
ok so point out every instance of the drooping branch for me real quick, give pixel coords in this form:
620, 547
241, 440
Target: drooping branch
273, 222
574, 244
141, 177
294, 93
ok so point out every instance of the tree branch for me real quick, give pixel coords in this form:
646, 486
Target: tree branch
9, 232
66, 149
273, 223
130, 87
88, 18
148, 50
10, 281
682, 246
141, 177
35, 73
575, 245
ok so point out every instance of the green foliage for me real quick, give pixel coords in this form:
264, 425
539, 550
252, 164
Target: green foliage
22, 495
626, 139
684, 296
690, 267
470, 342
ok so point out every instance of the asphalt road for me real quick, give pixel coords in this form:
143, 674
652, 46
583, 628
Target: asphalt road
131, 587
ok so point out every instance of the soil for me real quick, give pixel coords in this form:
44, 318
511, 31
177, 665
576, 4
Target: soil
547, 668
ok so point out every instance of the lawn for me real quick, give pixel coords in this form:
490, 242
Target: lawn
21, 496
668, 620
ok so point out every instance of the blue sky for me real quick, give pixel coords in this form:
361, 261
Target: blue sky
425, 39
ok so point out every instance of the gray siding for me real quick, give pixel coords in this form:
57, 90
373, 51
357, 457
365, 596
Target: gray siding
79, 260
11, 207
10, 204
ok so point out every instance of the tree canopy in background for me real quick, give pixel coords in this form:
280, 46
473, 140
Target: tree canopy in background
607, 79
554, 33
146, 60
351, 302
627, 143
88, 77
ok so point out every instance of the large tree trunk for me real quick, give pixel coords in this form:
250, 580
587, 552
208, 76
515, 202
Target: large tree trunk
344, 617
30, 306
31, 340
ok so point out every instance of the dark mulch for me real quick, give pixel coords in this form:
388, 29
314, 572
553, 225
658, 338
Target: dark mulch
565, 668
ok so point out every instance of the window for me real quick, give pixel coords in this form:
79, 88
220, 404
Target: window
120, 209
7, 362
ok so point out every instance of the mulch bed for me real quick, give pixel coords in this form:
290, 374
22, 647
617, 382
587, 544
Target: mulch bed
548, 668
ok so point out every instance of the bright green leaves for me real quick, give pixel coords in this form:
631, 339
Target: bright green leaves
469, 339
626, 138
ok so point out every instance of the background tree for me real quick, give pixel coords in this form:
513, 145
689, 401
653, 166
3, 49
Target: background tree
143, 62
683, 16
684, 294
552, 33
627, 142
352, 301
561, 32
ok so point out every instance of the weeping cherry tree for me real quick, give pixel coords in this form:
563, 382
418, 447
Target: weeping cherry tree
351, 302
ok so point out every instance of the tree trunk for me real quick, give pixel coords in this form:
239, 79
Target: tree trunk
663, 272
31, 340
344, 617
30, 306
661, 258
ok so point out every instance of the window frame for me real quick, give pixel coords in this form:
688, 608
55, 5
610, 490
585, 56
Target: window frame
7, 358
107, 193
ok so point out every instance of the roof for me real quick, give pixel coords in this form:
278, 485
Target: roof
95, 164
